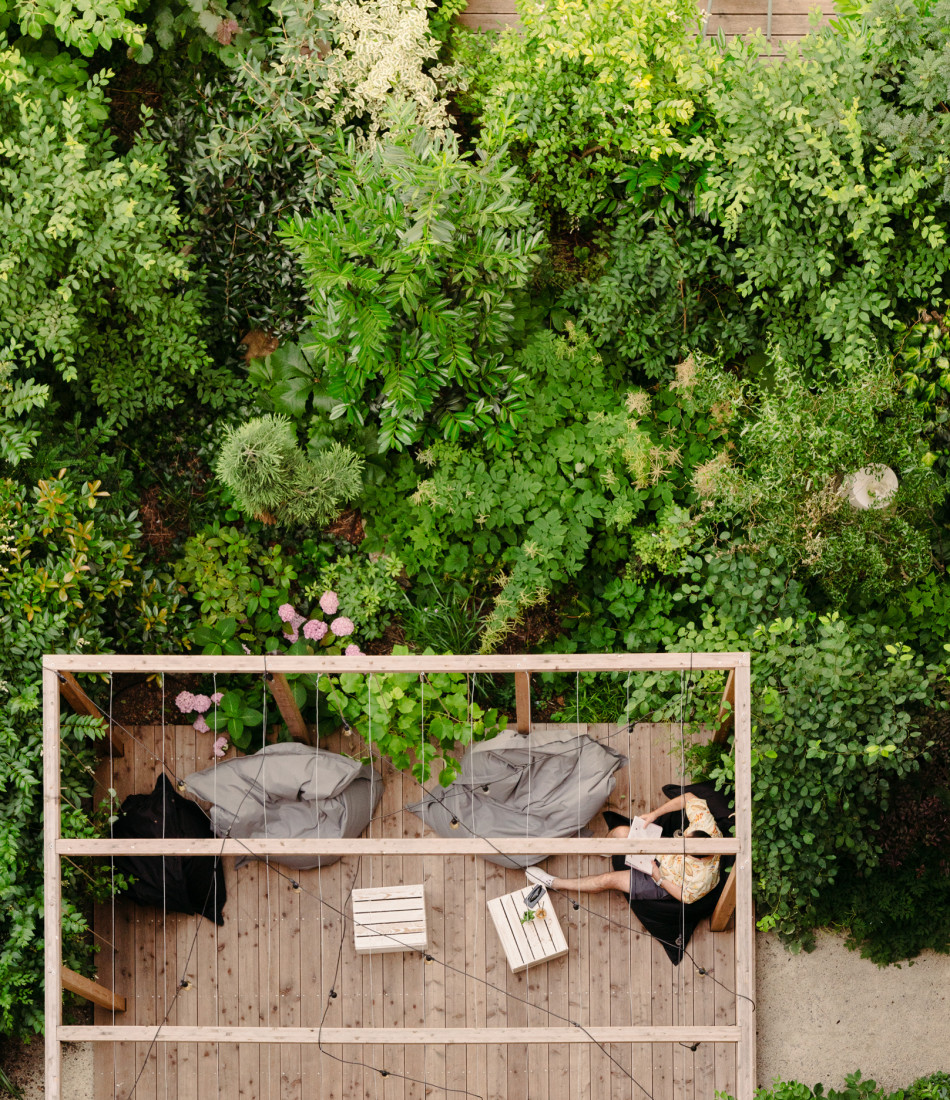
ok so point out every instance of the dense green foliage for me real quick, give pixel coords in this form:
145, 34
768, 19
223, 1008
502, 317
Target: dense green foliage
589, 90
69, 570
934, 1087
412, 274
93, 287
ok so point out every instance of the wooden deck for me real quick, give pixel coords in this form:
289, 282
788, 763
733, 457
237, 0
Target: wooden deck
277, 956
790, 18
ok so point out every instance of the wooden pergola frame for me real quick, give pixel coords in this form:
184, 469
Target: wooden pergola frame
59, 679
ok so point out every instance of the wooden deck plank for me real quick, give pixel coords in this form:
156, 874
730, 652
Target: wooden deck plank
289, 992
390, 816
414, 969
496, 967
147, 990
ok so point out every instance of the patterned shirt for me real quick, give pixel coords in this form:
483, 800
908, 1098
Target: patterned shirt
702, 875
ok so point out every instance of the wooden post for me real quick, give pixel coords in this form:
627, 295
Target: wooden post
287, 705
742, 871
52, 885
726, 714
92, 991
726, 905
82, 704
523, 702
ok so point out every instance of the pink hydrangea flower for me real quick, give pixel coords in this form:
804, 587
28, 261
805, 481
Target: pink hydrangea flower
342, 626
297, 621
185, 702
201, 725
200, 703
330, 602
292, 636
314, 630
217, 697
352, 651
220, 747
286, 613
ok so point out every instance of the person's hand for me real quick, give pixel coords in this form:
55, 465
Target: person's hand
655, 873
649, 818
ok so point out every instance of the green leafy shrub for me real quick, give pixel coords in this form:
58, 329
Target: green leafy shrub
228, 572
838, 229
271, 477
832, 736
784, 484
67, 562
252, 138
902, 907
662, 287
93, 285
584, 89
934, 1087
412, 275
367, 584
587, 463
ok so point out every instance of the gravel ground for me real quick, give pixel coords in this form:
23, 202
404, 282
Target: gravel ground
820, 1017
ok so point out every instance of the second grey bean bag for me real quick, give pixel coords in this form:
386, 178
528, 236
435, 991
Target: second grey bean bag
548, 783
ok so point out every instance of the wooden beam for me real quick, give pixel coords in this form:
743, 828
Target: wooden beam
745, 913
92, 991
287, 705
523, 702
725, 906
530, 662
397, 846
726, 716
403, 1036
52, 886
82, 704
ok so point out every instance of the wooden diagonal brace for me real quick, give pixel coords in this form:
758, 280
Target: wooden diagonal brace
287, 705
92, 991
70, 690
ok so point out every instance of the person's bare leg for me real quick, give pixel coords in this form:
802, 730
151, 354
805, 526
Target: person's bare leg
595, 884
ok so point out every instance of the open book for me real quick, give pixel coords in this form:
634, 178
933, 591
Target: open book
638, 829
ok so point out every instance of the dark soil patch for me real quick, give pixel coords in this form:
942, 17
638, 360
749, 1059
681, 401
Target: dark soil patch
348, 526
129, 91
166, 507
137, 698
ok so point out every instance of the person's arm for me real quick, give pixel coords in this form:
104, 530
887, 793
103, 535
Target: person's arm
668, 807
667, 883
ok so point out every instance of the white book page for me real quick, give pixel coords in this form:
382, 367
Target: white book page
640, 829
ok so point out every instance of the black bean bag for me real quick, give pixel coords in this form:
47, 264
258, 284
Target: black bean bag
182, 884
667, 920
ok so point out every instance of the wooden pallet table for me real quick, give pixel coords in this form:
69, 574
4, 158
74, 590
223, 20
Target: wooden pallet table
389, 918
535, 941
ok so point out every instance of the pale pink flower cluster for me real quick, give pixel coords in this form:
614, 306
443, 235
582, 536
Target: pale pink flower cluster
330, 603
352, 651
314, 630
217, 697
188, 703
201, 725
286, 613
342, 626
220, 747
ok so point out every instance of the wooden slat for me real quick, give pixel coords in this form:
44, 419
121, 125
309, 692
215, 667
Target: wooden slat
782, 25
52, 886
429, 846
744, 938
530, 662
256, 1036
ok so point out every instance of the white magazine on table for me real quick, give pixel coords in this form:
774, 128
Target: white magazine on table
640, 829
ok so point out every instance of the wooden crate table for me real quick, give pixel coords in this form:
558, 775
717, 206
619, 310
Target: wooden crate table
535, 941
389, 918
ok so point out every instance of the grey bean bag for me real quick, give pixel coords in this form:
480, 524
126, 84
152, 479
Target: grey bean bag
289, 790
550, 783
